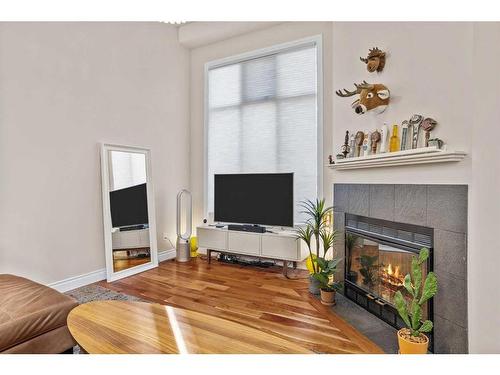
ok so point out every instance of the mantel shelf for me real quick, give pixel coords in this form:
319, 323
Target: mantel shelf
423, 155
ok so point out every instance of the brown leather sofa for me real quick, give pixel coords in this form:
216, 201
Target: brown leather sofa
33, 317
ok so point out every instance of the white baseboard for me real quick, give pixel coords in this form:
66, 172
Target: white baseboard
88, 278
78, 281
166, 255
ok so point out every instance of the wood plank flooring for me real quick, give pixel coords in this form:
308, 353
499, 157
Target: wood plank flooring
261, 298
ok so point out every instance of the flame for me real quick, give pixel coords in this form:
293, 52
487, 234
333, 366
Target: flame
394, 275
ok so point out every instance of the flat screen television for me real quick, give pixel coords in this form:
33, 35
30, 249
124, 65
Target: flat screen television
263, 198
129, 206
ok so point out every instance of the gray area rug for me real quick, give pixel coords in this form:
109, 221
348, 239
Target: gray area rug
95, 292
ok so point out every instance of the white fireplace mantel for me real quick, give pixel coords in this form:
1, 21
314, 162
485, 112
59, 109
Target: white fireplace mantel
423, 155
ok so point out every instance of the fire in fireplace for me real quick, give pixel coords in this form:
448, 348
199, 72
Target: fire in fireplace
379, 255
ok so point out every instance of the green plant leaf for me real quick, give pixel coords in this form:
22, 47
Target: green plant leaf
416, 315
323, 280
400, 304
423, 255
322, 263
426, 326
417, 276
407, 285
430, 288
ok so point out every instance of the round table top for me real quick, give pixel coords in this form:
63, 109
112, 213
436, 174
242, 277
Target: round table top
102, 327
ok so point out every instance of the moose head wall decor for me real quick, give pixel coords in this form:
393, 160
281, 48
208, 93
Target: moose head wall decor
371, 97
375, 61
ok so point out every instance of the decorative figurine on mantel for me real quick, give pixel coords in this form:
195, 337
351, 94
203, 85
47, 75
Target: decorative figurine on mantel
372, 97
352, 145
375, 138
404, 135
375, 61
415, 122
360, 136
428, 124
366, 144
345, 147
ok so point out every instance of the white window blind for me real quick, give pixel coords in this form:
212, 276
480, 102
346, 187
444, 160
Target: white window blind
262, 118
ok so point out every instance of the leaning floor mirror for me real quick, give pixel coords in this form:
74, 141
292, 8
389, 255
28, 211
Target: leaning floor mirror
128, 209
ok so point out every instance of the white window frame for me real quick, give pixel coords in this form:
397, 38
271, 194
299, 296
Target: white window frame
317, 41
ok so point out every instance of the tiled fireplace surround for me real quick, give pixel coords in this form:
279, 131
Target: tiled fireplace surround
441, 207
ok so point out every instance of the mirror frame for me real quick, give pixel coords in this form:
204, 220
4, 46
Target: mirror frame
111, 275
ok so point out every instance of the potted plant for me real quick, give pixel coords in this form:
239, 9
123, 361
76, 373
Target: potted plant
317, 229
325, 278
412, 340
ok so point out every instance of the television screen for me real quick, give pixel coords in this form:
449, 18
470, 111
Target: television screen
265, 198
129, 206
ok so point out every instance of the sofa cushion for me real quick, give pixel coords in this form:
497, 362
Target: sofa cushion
28, 309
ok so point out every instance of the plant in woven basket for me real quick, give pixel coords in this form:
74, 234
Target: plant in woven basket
420, 292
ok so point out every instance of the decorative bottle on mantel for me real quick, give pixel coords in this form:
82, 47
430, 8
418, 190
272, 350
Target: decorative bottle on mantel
394, 143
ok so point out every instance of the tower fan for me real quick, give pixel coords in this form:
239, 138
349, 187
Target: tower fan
182, 247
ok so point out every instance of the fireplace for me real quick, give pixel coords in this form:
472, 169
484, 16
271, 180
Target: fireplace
378, 256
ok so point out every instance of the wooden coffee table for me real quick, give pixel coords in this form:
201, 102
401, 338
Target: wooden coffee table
113, 327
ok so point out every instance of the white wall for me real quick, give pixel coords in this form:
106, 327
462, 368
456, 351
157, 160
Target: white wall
64, 87
252, 41
425, 74
484, 202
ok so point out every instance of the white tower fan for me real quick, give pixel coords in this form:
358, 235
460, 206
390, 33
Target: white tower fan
183, 246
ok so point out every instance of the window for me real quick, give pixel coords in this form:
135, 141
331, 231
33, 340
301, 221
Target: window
262, 117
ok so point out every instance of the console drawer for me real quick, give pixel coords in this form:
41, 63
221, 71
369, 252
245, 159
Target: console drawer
244, 243
280, 247
212, 239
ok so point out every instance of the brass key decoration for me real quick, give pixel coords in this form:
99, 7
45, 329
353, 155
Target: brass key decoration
415, 122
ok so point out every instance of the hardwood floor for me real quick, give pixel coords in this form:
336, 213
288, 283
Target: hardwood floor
261, 298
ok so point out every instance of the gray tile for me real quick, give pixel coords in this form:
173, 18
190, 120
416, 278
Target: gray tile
450, 253
410, 204
359, 199
449, 338
450, 301
369, 325
447, 207
382, 202
341, 197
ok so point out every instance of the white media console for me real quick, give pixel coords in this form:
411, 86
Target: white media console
282, 246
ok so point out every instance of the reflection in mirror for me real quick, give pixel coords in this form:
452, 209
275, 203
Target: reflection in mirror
129, 209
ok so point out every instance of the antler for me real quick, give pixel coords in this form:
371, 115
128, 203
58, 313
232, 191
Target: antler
374, 52
363, 85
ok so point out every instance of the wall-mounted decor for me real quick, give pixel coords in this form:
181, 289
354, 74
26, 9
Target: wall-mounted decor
371, 97
375, 61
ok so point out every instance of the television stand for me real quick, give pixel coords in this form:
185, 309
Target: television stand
282, 246
247, 228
